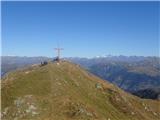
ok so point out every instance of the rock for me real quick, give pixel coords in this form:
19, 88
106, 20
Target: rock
145, 108
77, 84
154, 113
59, 83
28, 103
89, 114
32, 107
26, 72
19, 111
98, 86
1, 115
35, 113
65, 81
28, 111
5, 111
25, 106
28, 96
143, 104
18, 102
132, 113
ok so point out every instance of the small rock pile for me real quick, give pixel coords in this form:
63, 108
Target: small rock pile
99, 86
80, 110
148, 109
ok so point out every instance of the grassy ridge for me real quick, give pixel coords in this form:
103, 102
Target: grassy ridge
65, 91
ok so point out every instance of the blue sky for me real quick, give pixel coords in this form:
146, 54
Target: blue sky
83, 29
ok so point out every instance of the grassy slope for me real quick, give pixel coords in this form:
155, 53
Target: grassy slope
68, 92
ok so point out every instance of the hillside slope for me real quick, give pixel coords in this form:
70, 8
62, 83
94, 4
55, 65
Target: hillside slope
65, 91
134, 74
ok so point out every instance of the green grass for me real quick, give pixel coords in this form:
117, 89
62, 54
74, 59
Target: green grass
68, 92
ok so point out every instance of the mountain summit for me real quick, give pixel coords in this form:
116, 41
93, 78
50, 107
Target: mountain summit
65, 91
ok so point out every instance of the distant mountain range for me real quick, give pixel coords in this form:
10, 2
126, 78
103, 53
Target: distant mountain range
133, 74
9, 63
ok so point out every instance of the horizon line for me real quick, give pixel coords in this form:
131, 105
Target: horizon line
98, 56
